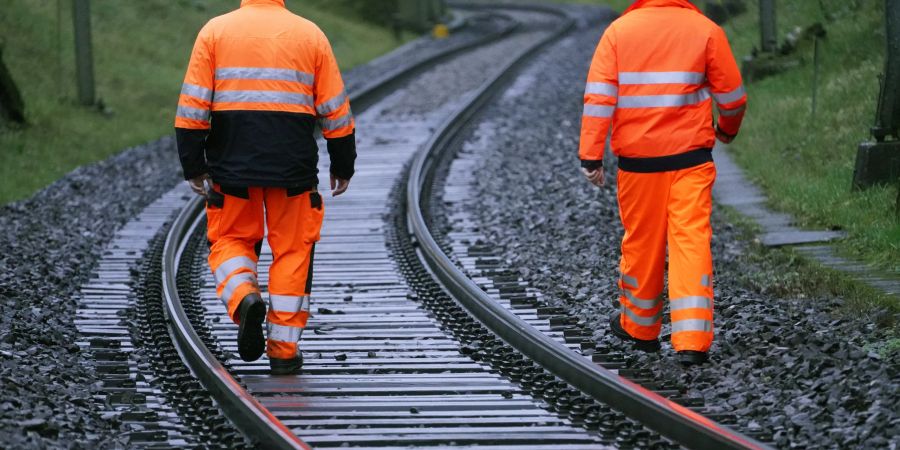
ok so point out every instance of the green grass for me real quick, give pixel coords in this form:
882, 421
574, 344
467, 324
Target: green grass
141, 49
805, 164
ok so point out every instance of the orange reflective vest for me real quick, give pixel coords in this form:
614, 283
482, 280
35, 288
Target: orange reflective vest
259, 80
653, 79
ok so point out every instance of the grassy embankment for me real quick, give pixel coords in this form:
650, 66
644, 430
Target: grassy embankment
141, 49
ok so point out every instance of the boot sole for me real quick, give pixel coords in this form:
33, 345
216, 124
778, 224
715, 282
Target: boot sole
251, 341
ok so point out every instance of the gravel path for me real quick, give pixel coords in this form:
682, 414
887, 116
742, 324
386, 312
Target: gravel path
790, 367
49, 246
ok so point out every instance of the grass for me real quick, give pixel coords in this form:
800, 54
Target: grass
141, 49
805, 163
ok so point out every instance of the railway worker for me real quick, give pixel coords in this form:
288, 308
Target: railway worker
258, 80
652, 81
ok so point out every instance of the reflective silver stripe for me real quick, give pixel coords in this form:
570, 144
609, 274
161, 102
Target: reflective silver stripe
186, 112
284, 333
691, 325
631, 281
706, 281
291, 98
288, 303
334, 124
731, 112
599, 111
663, 101
234, 282
232, 265
661, 78
261, 73
643, 321
640, 302
609, 90
677, 304
729, 97
332, 105
197, 91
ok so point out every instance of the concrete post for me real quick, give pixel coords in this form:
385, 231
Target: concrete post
879, 162
84, 58
767, 26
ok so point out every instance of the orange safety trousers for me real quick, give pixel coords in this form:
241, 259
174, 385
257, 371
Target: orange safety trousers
236, 228
671, 208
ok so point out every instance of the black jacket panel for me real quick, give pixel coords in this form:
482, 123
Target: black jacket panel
263, 149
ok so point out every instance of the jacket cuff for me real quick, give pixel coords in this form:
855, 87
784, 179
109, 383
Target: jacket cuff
191, 151
342, 151
591, 164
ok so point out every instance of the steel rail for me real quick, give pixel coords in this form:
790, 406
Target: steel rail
674, 421
239, 406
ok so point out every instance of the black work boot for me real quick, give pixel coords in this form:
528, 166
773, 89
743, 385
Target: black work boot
250, 315
286, 366
689, 358
615, 326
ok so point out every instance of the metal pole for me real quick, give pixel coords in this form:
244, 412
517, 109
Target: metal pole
768, 31
887, 121
84, 58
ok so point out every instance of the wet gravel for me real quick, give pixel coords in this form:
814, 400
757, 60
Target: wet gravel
790, 367
459, 77
49, 246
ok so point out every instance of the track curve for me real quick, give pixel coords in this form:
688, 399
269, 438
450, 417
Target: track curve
272, 412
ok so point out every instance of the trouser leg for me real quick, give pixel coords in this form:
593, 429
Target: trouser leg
690, 258
642, 200
234, 226
294, 224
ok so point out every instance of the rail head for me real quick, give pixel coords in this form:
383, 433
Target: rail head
247, 414
686, 427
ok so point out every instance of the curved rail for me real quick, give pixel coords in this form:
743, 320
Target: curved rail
656, 412
248, 415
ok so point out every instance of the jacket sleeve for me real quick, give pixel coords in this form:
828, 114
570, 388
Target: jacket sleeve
192, 120
600, 99
725, 81
335, 116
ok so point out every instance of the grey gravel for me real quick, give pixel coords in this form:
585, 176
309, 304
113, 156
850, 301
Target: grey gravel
49, 246
793, 368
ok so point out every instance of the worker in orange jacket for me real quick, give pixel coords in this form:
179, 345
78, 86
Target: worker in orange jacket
653, 80
258, 81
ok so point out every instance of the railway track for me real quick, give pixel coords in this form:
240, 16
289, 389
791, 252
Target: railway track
404, 349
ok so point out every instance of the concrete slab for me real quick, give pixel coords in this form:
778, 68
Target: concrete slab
734, 189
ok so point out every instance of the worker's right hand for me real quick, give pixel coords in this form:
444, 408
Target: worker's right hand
338, 185
596, 177
198, 184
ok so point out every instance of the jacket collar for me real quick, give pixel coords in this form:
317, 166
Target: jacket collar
262, 2
660, 3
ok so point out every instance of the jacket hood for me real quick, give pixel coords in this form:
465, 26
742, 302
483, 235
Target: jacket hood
661, 3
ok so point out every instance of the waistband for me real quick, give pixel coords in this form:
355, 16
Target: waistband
669, 163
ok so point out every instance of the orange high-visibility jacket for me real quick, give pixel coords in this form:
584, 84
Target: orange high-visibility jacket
259, 79
653, 79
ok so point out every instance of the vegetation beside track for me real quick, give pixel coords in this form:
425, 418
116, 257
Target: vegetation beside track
805, 163
141, 50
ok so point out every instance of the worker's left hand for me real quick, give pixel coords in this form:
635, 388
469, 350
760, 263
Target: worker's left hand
198, 184
338, 185
596, 177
